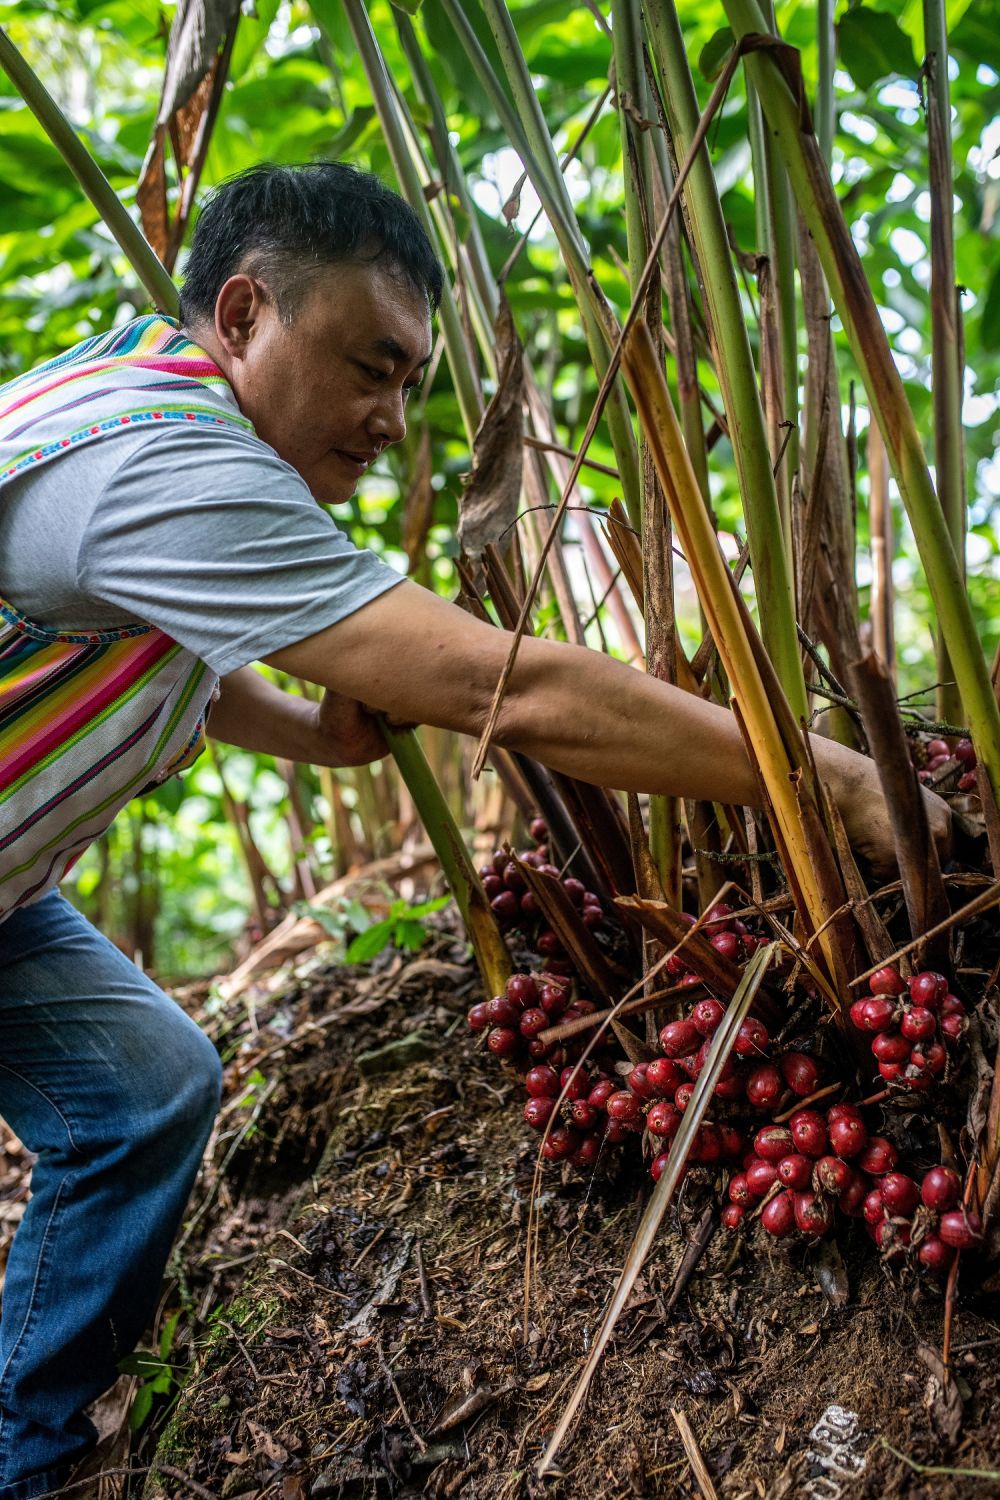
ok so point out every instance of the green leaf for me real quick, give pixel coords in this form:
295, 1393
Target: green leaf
873, 45
714, 53
409, 935
408, 7
367, 944
989, 326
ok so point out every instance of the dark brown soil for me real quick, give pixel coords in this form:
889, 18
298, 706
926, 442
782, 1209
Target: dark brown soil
352, 1296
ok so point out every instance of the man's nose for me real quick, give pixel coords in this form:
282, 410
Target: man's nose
388, 418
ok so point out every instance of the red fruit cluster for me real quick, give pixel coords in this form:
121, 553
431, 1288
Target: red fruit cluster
529, 1005
913, 1025
728, 935
925, 1220
804, 1171
515, 906
748, 1073
938, 754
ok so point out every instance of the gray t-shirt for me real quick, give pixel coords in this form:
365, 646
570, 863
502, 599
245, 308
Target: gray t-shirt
206, 534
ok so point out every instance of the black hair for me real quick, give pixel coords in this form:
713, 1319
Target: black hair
283, 224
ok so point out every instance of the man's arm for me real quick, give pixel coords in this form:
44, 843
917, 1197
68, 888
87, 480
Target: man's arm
255, 715
424, 660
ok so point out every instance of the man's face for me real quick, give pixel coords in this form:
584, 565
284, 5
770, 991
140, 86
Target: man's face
328, 390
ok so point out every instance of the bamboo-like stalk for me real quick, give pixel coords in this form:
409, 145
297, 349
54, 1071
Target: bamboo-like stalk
880, 543
809, 867
946, 326
384, 99
146, 264
522, 120
484, 934
733, 359
854, 302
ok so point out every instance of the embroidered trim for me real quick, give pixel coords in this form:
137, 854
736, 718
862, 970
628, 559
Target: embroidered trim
130, 419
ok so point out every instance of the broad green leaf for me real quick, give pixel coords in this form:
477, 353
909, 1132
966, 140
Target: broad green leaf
714, 53
367, 944
873, 45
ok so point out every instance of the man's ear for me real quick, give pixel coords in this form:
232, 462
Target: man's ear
238, 309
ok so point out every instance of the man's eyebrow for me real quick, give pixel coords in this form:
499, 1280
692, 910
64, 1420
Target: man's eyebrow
396, 351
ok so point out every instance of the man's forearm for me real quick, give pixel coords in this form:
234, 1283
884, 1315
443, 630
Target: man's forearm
255, 715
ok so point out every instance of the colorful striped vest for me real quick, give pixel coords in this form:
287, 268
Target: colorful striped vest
89, 719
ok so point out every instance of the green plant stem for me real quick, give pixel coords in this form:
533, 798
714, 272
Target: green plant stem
521, 119
384, 99
144, 261
733, 359
487, 942
854, 302
946, 323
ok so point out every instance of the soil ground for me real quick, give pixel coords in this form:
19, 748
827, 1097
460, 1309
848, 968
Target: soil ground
350, 1290
376, 1344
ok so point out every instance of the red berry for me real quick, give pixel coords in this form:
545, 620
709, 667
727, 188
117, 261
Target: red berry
878, 1157
553, 999
941, 1188
707, 1016
891, 1071
592, 916
542, 1082
778, 1216
833, 1175
478, 1016
506, 905
892, 1236
938, 747
492, 885
529, 904
764, 1087
583, 1115
843, 1112
918, 1024
548, 943
928, 989
615, 1132
575, 1082
813, 1215
587, 1152
847, 1137
663, 1118
951, 1005
533, 1021
965, 752
659, 1164
682, 1098
873, 1013
952, 1027
513, 879
935, 1255
601, 1092
795, 1171
873, 1209
808, 1130
638, 1082
522, 990
800, 1072
623, 1107
752, 1039
853, 1196
679, 1038
761, 1176
690, 980
961, 1228
707, 1145
662, 1077
900, 1193
929, 1059
968, 782
887, 981
718, 918
731, 1215
730, 1088
562, 1142
739, 1191
537, 1112
503, 1042
502, 1012
727, 944
774, 1142
732, 1142
574, 890
891, 1047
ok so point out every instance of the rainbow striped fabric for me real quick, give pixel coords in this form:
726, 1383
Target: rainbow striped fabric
88, 719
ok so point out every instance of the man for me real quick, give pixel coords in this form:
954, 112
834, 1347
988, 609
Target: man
158, 529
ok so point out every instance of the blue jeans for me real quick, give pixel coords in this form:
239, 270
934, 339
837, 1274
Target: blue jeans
114, 1088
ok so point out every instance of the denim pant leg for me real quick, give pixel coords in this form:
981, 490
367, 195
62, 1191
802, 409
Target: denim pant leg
115, 1088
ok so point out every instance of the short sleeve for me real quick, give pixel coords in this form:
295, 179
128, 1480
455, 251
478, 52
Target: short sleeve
214, 539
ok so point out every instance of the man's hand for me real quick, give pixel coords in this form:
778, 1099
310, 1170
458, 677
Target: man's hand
347, 733
855, 784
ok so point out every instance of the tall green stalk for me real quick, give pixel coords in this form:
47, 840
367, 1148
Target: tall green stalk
853, 299
146, 264
946, 325
733, 359
521, 118
384, 99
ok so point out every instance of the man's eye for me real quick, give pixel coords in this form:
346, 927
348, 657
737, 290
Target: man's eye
409, 389
374, 374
